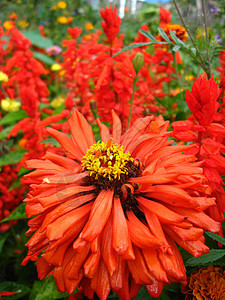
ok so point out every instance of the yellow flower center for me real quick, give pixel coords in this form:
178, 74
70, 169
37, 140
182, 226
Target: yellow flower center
106, 160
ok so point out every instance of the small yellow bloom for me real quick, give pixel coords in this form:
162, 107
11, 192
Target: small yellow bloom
62, 4
23, 24
56, 67
62, 20
8, 25
189, 77
10, 105
58, 101
89, 26
22, 143
3, 77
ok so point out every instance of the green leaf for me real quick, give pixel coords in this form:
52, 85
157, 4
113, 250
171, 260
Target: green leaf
216, 237
2, 241
12, 158
148, 35
5, 132
14, 287
205, 259
177, 40
17, 214
163, 34
176, 48
37, 39
54, 142
13, 117
46, 290
193, 50
132, 47
44, 58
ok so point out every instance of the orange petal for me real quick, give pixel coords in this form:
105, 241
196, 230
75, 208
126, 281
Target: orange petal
104, 130
64, 208
99, 215
155, 288
138, 268
43, 268
107, 251
66, 143
117, 127
140, 234
154, 264
200, 219
57, 229
81, 132
91, 264
120, 229
164, 214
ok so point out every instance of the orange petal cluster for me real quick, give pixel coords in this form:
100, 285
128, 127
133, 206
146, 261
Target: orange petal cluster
207, 283
124, 235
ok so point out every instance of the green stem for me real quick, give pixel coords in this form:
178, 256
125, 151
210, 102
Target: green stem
207, 39
190, 35
3, 91
177, 72
14, 234
131, 102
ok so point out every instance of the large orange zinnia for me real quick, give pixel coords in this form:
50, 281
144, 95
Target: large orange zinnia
109, 215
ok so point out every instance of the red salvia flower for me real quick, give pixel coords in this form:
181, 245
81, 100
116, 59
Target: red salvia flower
165, 16
111, 26
109, 214
203, 99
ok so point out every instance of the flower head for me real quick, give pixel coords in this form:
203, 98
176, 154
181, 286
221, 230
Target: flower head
109, 214
10, 105
62, 20
23, 24
62, 4
9, 24
180, 32
56, 67
207, 283
89, 26
111, 24
3, 77
203, 99
54, 50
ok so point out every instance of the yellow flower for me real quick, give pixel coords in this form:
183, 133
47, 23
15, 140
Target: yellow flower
189, 77
23, 24
56, 67
58, 101
10, 105
62, 20
53, 7
62, 4
3, 77
8, 25
89, 26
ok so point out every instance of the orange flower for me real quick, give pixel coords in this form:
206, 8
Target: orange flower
109, 214
207, 283
180, 32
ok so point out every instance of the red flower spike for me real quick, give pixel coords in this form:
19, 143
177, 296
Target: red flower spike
111, 26
203, 99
